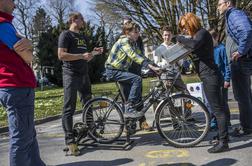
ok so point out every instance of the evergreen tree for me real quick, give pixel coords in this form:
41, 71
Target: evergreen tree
47, 54
41, 22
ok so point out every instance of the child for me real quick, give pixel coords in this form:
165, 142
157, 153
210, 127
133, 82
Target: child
221, 59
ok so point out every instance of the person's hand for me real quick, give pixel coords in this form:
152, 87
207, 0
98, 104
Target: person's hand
157, 70
87, 56
97, 51
24, 49
226, 84
235, 56
179, 38
23, 44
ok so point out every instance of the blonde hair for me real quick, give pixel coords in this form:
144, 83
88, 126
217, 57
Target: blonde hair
191, 23
130, 26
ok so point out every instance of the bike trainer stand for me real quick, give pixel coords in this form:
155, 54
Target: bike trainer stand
121, 143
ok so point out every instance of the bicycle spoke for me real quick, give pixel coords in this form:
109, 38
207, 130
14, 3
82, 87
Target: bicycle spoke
105, 120
186, 121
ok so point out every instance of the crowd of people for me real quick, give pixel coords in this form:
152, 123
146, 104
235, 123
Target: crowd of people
214, 68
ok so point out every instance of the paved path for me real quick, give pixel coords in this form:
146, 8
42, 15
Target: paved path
149, 149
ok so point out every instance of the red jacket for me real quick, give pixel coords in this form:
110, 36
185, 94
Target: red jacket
14, 72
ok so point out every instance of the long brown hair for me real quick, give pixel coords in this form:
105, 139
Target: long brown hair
190, 22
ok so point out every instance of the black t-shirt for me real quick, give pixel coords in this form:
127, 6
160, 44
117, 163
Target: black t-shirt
75, 43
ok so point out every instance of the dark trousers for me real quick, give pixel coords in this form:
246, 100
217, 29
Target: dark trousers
225, 104
241, 72
180, 85
212, 88
72, 84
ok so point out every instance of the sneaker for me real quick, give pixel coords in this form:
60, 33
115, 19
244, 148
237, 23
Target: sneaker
239, 132
74, 150
144, 126
131, 112
219, 147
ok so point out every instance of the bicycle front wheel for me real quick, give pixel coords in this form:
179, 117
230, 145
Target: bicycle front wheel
104, 119
182, 120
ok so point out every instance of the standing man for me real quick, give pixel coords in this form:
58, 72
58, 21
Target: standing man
72, 50
158, 55
239, 28
17, 83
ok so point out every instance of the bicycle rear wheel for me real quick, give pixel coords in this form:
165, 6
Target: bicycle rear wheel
183, 120
104, 119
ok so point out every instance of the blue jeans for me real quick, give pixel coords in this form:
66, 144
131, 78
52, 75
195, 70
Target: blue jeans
130, 81
240, 74
19, 104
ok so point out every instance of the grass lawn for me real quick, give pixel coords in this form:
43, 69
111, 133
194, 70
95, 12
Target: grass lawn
50, 101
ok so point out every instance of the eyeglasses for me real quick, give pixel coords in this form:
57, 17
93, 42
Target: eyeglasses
221, 3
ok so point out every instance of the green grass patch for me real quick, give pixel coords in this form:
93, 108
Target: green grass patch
50, 101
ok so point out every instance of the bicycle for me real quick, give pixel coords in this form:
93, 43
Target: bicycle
182, 120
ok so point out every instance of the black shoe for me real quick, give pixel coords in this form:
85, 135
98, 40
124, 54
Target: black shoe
239, 132
218, 148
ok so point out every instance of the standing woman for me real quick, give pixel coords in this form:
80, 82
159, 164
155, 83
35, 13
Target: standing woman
203, 58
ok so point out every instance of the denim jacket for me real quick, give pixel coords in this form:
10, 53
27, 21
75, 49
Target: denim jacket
239, 27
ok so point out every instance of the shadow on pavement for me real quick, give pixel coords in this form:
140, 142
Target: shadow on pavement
249, 144
154, 139
177, 164
99, 163
224, 161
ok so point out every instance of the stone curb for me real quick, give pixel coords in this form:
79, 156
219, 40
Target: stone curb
39, 121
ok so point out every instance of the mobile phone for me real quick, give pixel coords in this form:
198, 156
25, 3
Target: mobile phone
95, 53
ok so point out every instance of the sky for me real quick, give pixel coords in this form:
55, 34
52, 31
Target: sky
86, 8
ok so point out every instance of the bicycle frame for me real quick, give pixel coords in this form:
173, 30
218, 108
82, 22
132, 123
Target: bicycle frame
161, 93
151, 96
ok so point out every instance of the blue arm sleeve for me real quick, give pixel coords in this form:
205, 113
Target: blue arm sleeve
8, 35
227, 72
